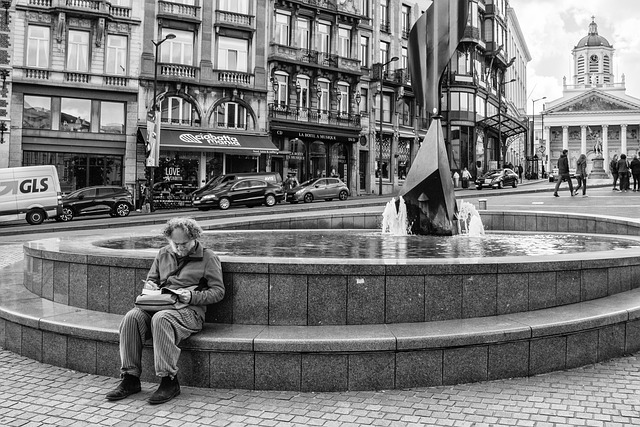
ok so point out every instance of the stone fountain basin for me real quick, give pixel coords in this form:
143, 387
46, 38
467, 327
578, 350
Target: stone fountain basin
329, 291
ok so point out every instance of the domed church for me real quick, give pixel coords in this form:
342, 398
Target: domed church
595, 116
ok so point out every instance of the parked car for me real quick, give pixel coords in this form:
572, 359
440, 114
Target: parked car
239, 192
320, 188
272, 177
102, 199
555, 175
497, 178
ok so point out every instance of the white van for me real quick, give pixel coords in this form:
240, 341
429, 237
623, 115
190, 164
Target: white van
30, 192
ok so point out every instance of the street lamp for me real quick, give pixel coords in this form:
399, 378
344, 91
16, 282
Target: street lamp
533, 122
395, 58
155, 113
500, 86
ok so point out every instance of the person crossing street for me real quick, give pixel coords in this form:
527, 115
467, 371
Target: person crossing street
563, 171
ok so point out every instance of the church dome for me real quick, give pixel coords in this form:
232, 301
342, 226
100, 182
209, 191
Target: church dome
593, 39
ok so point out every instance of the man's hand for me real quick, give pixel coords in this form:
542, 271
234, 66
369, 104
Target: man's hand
148, 284
184, 295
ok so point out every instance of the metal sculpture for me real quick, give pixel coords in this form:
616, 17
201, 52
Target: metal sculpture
428, 189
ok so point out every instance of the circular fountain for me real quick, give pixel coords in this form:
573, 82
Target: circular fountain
357, 318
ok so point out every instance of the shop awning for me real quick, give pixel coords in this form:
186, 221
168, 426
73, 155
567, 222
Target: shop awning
210, 141
508, 125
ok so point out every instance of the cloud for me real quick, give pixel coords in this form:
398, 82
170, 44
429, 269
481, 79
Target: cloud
552, 28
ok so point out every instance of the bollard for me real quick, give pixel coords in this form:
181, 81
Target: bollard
482, 204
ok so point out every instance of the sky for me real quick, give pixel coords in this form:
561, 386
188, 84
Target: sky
552, 28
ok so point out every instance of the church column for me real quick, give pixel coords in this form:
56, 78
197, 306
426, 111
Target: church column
623, 139
565, 137
583, 140
605, 145
547, 146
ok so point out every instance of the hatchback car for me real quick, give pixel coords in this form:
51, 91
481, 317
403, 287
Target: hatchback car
240, 192
497, 178
320, 188
103, 199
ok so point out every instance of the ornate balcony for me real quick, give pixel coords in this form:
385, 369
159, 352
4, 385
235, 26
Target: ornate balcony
233, 77
235, 19
178, 10
179, 71
310, 115
74, 79
314, 57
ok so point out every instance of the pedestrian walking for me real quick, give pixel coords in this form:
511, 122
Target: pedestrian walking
563, 171
613, 168
192, 272
520, 170
623, 172
635, 171
581, 175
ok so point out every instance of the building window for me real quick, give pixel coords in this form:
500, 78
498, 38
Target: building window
364, 100
406, 114
406, 21
364, 8
232, 115
233, 54
112, 117
343, 101
384, 53
344, 38
237, 6
323, 95
78, 51
282, 28
178, 50
405, 59
282, 92
36, 112
324, 37
384, 15
116, 55
177, 111
386, 108
38, 46
364, 51
462, 63
303, 96
75, 115
303, 34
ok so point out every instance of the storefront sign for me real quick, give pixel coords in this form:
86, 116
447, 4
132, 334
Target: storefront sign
210, 139
325, 137
296, 155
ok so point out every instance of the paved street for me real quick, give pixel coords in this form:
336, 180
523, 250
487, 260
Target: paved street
604, 394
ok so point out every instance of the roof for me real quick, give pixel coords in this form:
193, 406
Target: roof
593, 39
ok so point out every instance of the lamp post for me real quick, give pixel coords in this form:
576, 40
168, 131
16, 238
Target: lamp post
395, 58
500, 86
155, 113
533, 122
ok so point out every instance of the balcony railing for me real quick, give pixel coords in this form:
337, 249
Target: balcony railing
77, 77
385, 27
179, 9
119, 12
233, 77
84, 4
178, 70
223, 16
41, 3
311, 115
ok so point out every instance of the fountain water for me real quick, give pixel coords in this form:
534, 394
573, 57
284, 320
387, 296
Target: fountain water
394, 218
469, 221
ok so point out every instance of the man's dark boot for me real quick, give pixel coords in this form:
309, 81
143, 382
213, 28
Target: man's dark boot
169, 388
129, 385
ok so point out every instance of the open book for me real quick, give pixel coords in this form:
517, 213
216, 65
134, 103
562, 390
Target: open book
160, 291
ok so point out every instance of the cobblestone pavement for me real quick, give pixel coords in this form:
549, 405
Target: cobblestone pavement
605, 394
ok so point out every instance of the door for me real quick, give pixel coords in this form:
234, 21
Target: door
362, 170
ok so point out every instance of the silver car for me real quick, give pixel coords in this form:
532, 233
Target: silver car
319, 188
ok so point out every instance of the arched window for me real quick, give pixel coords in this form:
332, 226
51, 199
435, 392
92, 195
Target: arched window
179, 111
233, 115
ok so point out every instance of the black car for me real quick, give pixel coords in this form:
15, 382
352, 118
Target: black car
497, 178
102, 199
240, 192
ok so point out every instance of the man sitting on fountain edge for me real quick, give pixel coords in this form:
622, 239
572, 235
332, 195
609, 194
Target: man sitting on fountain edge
183, 263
